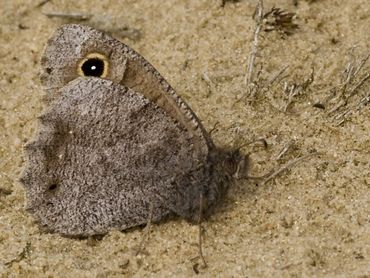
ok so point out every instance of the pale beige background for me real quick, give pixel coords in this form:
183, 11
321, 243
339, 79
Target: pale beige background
311, 221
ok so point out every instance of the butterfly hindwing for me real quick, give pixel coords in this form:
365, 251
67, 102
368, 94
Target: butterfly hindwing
107, 154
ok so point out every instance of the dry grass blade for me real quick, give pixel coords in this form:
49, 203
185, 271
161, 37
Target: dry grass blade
253, 54
69, 16
297, 89
286, 148
351, 85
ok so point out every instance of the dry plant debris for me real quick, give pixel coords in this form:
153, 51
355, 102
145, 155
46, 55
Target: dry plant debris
352, 94
223, 2
274, 20
279, 20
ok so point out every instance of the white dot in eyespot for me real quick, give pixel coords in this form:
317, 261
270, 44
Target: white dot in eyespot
93, 67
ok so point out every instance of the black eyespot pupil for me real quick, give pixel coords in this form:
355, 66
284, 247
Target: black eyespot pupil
93, 67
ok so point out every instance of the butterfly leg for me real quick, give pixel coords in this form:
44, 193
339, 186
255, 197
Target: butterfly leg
147, 229
200, 237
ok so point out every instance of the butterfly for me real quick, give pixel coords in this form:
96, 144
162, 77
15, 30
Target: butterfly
116, 144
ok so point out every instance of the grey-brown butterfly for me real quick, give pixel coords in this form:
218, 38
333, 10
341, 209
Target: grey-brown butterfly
116, 143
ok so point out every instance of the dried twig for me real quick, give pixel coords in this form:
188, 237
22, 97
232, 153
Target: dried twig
277, 77
42, 3
210, 84
286, 148
223, 2
24, 253
253, 54
207, 79
125, 31
70, 16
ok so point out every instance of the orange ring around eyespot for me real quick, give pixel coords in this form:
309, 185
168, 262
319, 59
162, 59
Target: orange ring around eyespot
94, 55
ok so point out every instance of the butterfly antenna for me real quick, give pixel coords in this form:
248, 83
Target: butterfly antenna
273, 173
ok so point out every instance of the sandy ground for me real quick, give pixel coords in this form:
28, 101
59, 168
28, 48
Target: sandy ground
310, 221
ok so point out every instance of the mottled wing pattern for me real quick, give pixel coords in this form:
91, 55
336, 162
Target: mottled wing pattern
103, 155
